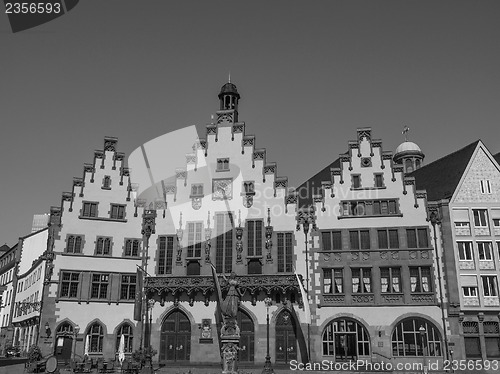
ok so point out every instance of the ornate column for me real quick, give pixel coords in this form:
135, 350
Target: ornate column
148, 228
230, 332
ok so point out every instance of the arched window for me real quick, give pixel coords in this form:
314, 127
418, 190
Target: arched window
96, 335
412, 335
417, 164
408, 165
345, 338
64, 328
106, 183
127, 331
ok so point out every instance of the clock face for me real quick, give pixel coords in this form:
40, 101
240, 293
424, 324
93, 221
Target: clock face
222, 189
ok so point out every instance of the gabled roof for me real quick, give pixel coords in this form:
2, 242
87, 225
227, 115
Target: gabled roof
441, 177
312, 186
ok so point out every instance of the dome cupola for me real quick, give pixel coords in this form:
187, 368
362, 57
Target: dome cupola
229, 96
408, 154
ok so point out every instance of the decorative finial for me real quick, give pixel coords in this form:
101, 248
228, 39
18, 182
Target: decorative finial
405, 132
180, 221
239, 217
208, 220
268, 216
229, 79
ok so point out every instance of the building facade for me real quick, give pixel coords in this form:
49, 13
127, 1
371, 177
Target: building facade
8, 266
464, 192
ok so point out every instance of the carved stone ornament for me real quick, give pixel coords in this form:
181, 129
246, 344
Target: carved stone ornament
222, 189
247, 201
196, 203
229, 358
269, 244
239, 245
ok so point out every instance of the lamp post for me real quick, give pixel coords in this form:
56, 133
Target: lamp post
451, 360
267, 366
434, 219
76, 330
422, 331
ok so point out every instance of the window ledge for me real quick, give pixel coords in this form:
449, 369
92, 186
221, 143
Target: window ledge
247, 194
372, 216
121, 220
196, 196
220, 171
105, 188
367, 188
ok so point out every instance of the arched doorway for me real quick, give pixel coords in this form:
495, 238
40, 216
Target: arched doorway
247, 337
175, 338
407, 338
286, 339
64, 342
346, 339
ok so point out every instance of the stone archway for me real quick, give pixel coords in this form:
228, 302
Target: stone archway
286, 337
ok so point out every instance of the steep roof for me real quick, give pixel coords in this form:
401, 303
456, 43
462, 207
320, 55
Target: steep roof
441, 177
312, 186
497, 157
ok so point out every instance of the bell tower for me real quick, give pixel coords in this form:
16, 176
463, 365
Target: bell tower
229, 98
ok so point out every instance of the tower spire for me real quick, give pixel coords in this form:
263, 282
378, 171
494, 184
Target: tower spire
229, 78
405, 132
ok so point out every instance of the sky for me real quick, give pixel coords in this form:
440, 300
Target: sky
309, 73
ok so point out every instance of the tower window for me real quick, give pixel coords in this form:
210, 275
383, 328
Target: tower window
222, 164
106, 182
379, 180
409, 165
356, 181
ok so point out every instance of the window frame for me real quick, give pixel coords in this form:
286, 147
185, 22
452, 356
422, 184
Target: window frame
73, 244
480, 221
102, 286
484, 253
390, 280
419, 285
70, 284
165, 254
128, 284
103, 246
117, 211
129, 247
363, 288
330, 277
332, 236
467, 249
223, 164
492, 287
90, 209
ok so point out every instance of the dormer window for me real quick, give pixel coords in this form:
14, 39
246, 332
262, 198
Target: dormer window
223, 164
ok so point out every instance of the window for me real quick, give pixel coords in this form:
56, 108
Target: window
369, 208
469, 291
485, 186
74, 244
127, 331
333, 281
165, 254
69, 284
285, 252
390, 280
194, 239
356, 181
254, 266
89, 209
197, 189
222, 164
490, 286
224, 243
106, 182
484, 250
99, 286
471, 339
193, 268
361, 280
127, 291
496, 222
132, 247
417, 238
480, 217
407, 338
254, 237
492, 339
96, 338
388, 239
344, 331
379, 180
331, 240
461, 224
117, 211
420, 279
360, 239
249, 188
465, 251
103, 246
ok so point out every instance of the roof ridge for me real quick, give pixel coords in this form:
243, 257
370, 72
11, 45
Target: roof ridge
448, 155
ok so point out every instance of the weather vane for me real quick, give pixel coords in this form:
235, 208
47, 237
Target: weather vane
405, 132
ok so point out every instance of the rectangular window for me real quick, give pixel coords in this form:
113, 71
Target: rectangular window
103, 246
361, 280
249, 188
492, 339
420, 279
117, 211
393, 238
423, 238
485, 185
127, 291
465, 251
469, 291
224, 243
331, 240
383, 242
390, 280
89, 209
99, 286
285, 252
196, 189
484, 250
222, 164
388, 239
480, 217
356, 181
165, 254
132, 247
411, 237
417, 238
194, 239
496, 222
490, 286
69, 284
369, 208
354, 239
379, 180
365, 239
254, 237
333, 281
74, 244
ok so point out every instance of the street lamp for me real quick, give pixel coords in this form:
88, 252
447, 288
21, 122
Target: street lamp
422, 331
76, 330
267, 366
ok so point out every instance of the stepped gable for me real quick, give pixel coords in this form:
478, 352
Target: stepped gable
108, 159
441, 177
